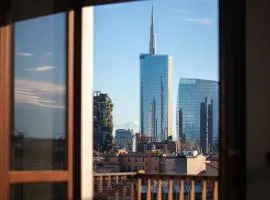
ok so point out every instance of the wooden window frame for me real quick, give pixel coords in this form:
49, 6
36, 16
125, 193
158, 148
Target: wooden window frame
232, 97
232, 94
8, 176
5, 62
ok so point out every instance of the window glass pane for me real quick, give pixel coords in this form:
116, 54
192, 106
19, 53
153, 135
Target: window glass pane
38, 140
39, 191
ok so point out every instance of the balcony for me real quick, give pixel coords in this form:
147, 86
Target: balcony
133, 185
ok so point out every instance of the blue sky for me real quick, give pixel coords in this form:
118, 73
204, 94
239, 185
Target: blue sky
185, 29
39, 70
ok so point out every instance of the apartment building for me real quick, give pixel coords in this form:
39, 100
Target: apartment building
163, 163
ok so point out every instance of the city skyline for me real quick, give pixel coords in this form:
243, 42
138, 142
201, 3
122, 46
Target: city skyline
184, 29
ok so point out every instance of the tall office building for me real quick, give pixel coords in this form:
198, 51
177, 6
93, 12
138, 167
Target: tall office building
124, 139
191, 92
155, 91
206, 126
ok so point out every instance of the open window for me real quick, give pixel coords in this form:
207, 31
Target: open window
47, 79
156, 96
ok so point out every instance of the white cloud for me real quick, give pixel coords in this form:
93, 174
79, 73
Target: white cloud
202, 21
38, 93
24, 54
45, 87
37, 101
133, 124
41, 69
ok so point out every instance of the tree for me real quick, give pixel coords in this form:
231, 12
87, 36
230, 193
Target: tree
103, 122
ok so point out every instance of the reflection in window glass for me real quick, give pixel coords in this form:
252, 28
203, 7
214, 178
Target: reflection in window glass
39, 191
38, 140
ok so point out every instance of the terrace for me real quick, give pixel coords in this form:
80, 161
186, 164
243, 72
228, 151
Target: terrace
133, 185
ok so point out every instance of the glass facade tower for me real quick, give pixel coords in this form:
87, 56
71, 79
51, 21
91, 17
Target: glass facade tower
191, 92
155, 89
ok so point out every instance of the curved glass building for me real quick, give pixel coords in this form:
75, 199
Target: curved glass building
191, 94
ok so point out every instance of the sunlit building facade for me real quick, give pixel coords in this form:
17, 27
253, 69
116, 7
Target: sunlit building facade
191, 92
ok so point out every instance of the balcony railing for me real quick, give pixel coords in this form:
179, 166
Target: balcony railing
142, 186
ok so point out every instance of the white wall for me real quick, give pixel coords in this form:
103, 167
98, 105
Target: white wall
87, 99
258, 97
196, 165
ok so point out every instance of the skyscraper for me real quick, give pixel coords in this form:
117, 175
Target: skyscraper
206, 125
191, 92
155, 91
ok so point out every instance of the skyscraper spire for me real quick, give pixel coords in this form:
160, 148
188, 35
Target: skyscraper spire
152, 42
